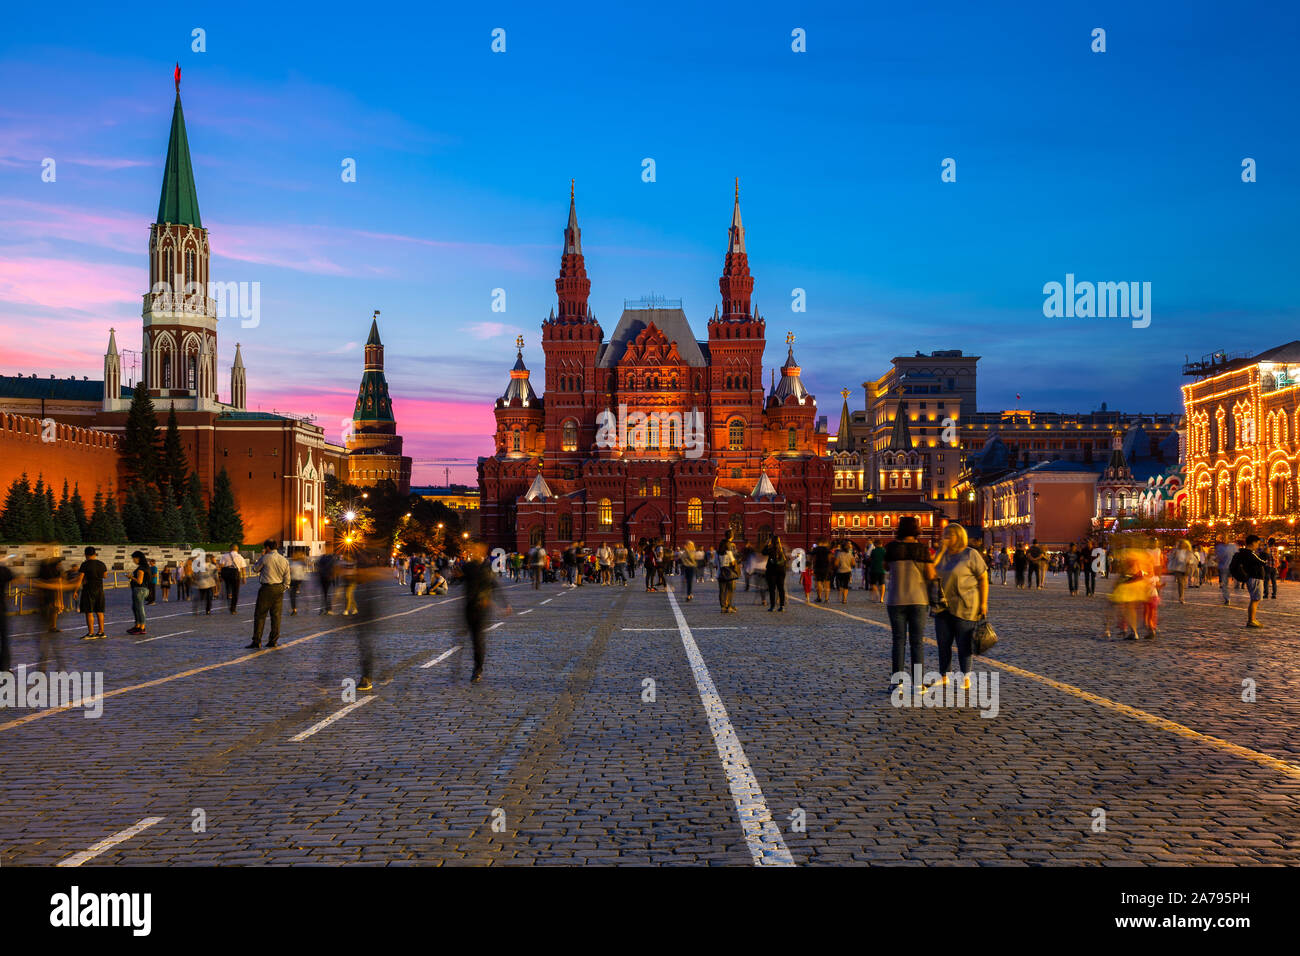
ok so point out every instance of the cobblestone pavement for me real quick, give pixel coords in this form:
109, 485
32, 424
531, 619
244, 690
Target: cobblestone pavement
776, 742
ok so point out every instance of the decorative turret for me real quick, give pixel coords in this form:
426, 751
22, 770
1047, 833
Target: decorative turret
791, 387
900, 436
764, 488
520, 390
736, 284
572, 287
374, 447
238, 384
112, 374
843, 439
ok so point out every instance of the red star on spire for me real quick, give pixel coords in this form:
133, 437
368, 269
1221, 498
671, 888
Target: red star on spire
177, 76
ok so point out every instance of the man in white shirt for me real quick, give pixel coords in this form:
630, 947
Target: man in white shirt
273, 574
232, 573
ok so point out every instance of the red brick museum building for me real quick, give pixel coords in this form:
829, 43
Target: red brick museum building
651, 433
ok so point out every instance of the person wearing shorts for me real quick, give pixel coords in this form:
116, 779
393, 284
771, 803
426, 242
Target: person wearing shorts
90, 579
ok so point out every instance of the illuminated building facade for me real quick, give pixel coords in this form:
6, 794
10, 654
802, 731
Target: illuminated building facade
1243, 426
651, 433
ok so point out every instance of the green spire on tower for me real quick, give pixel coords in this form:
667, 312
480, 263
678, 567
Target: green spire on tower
179, 202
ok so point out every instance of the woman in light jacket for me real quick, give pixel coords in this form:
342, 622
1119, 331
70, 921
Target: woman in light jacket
909, 572
964, 579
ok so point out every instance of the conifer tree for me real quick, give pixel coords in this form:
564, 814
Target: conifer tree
194, 495
170, 523
140, 439
100, 528
173, 467
116, 527
43, 512
65, 521
79, 513
224, 521
17, 521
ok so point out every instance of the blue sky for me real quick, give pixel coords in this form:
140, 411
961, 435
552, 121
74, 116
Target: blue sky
1118, 166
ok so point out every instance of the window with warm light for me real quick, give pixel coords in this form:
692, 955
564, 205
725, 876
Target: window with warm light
605, 512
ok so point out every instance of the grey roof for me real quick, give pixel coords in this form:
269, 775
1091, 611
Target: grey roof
791, 387
66, 389
671, 322
994, 456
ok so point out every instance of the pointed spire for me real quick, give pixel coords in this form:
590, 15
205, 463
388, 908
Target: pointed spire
736, 284
179, 202
374, 330
572, 287
842, 437
112, 342
239, 357
572, 234
900, 437
737, 231
791, 386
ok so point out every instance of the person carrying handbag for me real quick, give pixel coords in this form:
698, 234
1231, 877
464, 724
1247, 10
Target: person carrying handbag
727, 574
964, 581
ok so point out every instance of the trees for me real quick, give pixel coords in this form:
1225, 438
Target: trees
224, 521
140, 440
173, 469
79, 512
16, 522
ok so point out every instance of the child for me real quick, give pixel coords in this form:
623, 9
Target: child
806, 579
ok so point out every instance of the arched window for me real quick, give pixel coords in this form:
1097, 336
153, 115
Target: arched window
792, 440
566, 527
672, 434
192, 372
736, 435
535, 537
569, 440
695, 515
606, 513
653, 440
728, 381
167, 369
744, 381
517, 441
792, 516
168, 266
189, 269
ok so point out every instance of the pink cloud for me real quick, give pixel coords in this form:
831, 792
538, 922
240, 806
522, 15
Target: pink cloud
111, 230
63, 284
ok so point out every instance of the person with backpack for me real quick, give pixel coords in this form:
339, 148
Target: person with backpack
774, 572
1247, 569
907, 598
964, 580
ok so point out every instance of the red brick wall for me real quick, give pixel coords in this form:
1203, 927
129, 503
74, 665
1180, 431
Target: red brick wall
86, 457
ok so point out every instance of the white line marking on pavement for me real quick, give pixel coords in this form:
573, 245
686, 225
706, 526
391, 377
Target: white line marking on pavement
495, 626
161, 636
342, 712
548, 600
674, 629
766, 845
233, 662
109, 842
441, 657
529, 611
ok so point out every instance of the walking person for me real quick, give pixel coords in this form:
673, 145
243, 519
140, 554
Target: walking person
1086, 560
778, 562
232, 567
49, 584
1019, 562
907, 598
298, 571
1248, 569
843, 569
165, 582
536, 564
689, 564
758, 571
876, 572
1223, 554
964, 580
1071, 559
153, 582
649, 561
273, 576
727, 574
821, 562
1037, 565
205, 581
6, 580
1269, 556
1181, 560
370, 572
90, 579
480, 585
139, 591
1004, 562
325, 566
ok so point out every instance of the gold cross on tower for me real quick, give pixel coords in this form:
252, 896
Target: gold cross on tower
844, 392
519, 342
789, 338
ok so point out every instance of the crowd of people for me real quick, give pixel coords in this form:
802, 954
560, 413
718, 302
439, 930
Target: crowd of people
908, 576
